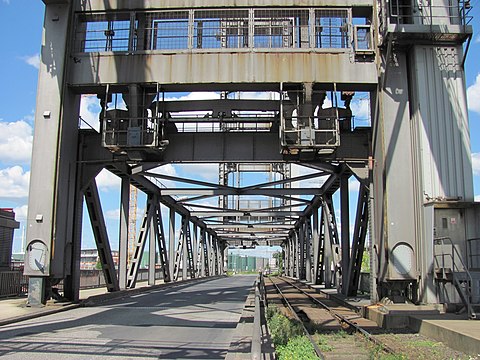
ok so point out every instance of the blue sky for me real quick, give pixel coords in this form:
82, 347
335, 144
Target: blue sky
20, 28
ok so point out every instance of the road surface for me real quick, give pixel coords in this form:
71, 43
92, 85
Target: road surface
191, 321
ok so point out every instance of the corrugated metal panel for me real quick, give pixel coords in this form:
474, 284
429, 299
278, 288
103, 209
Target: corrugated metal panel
441, 110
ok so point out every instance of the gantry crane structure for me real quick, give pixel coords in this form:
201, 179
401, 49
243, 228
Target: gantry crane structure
282, 80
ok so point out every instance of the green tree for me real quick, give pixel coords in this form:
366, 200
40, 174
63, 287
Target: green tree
279, 259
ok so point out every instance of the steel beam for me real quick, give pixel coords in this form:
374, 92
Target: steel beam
358, 243
140, 243
92, 199
171, 242
345, 231
240, 191
123, 233
151, 253
161, 243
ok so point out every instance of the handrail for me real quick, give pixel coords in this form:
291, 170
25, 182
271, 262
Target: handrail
454, 251
466, 298
256, 350
471, 255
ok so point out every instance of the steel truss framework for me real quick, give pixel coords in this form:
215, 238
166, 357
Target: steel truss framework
117, 52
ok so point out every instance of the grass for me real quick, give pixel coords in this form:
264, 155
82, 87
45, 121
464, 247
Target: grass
287, 336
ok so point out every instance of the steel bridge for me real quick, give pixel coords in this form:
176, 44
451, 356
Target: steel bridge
272, 86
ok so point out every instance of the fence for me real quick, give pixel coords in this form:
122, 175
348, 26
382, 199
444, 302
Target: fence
14, 283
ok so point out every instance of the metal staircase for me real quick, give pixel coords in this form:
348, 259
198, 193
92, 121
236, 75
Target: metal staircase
449, 267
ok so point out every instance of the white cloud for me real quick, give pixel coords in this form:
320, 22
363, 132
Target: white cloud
353, 184
207, 172
113, 214
477, 198
14, 183
199, 95
360, 109
298, 170
476, 163
107, 181
167, 169
21, 212
33, 60
473, 95
89, 110
15, 142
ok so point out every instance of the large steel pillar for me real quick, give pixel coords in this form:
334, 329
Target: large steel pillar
50, 224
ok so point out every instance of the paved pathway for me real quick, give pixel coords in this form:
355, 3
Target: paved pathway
191, 321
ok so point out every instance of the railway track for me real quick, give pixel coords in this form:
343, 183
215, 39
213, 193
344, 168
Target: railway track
335, 330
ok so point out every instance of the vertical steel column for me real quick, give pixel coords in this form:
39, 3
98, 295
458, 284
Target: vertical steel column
218, 256
161, 243
316, 249
286, 258
203, 253
327, 249
358, 244
195, 249
345, 235
151, 251
308, 250
123, 233
301, 253
185, 239
52, 196
211, 266
296, 257
171, 243
293, 254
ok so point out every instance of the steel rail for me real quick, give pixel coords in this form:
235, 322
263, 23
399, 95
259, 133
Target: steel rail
343, 320
294, 314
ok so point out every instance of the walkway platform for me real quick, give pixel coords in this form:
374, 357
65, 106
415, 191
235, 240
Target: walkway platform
454, 330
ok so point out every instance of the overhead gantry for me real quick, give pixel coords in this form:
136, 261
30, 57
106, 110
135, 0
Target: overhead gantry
255, 86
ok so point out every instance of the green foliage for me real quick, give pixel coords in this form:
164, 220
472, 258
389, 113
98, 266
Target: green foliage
279, 258
366, 261
98, 265
281, 328
322, 341
376, 353
298, 347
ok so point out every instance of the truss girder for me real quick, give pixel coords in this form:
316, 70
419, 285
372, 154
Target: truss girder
92, 200
140, 243
358, 244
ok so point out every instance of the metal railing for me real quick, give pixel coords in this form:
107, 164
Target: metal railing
308, 132
428, 14
199, 29
13, 283
120, 130
473, 253
260, 304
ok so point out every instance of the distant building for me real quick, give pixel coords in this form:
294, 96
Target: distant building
243, 263
18, 261
7, 226
89, 259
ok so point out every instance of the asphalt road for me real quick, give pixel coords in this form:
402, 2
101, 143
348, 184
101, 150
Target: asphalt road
192, 321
